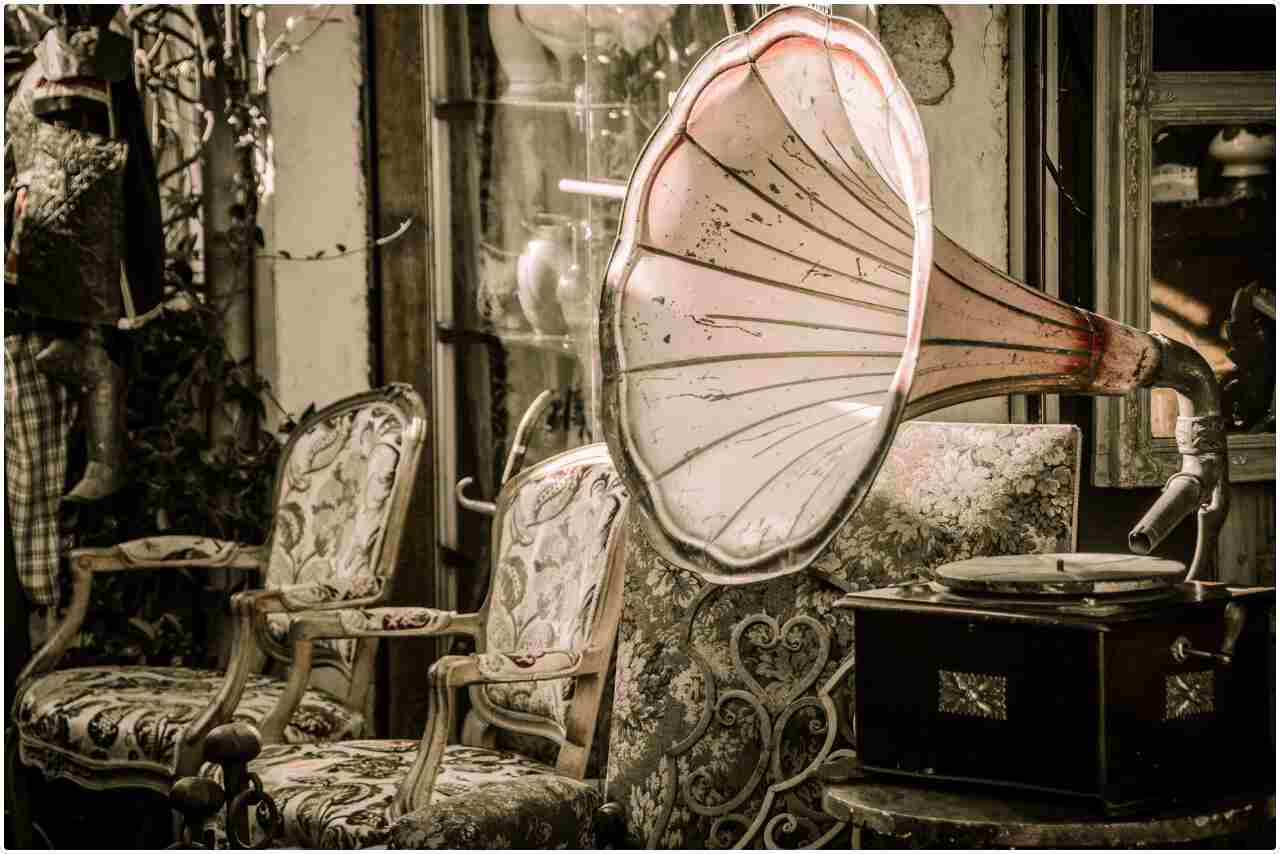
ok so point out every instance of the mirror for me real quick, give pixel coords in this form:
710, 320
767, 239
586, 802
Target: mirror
1185, 171
1213, 260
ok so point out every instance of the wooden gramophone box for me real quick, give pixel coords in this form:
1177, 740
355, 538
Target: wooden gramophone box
1094, 676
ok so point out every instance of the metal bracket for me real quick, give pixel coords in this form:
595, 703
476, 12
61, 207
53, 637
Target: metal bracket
452, 335
454, 109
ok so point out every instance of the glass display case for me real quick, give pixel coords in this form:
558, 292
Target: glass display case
540, 113
1185, 176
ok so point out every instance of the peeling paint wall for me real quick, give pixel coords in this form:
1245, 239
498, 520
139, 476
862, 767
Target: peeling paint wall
967, 131
968, 135
919, 41
312, 317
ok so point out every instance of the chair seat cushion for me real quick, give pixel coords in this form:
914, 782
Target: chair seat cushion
92, 721
339, 795
528, 812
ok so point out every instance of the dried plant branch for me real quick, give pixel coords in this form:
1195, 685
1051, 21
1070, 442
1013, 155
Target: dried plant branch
294, 47
343, 251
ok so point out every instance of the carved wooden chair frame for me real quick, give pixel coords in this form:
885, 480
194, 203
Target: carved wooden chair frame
249, 608
588, 666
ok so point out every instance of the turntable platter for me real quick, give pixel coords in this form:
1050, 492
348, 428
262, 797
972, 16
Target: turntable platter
1060, 574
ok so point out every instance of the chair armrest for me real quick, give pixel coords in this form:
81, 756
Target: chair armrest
313, 596
149, 553
169, 551
310, 626
382, 622
498, 667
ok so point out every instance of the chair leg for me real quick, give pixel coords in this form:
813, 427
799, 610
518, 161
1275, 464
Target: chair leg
610, 826
155, 829
18, 795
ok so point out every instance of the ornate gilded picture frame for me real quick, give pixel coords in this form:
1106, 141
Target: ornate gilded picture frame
1135, 103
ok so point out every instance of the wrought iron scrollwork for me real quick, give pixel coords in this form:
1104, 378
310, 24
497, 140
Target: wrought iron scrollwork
768, 807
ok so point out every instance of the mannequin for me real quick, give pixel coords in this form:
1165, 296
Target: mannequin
84, 250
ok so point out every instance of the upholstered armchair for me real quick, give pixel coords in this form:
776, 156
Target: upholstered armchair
544, 639
730, 701
340, 501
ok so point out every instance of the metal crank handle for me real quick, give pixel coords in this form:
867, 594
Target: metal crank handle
1233, 617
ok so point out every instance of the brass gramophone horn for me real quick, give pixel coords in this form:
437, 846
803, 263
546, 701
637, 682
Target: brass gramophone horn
778, 300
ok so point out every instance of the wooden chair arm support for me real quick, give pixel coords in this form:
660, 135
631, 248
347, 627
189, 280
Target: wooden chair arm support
319, 596
178, 551
455, 671
224, 703
47, 657
353, 623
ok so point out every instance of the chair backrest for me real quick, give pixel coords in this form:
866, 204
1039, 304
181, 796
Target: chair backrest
727, 700
556, 558
341, 496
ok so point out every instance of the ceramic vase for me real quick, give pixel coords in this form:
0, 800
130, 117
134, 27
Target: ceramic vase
538, 273
1247, 155
529, 73
572, 294
496, 295
1243, 152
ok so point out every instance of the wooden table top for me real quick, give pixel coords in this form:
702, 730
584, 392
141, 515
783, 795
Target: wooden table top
981, 818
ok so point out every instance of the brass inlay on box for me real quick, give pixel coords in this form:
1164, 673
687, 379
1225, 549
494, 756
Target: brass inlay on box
1187, 694
978, 695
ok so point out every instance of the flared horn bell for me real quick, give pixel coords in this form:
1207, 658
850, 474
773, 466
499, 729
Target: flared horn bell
778, 300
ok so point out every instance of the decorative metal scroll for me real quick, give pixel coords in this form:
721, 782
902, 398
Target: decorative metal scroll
729, 710
769, 803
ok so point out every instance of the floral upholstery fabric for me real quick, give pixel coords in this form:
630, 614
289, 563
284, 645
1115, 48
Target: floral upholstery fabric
73, 721
949, 492
333, 506
728, 699
338, 795
548, 565
536, 812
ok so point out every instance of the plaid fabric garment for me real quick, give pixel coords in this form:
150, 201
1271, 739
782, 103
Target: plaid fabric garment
39, 415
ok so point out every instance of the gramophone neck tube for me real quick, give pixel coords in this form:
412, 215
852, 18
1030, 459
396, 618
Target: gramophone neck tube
986, 334
1184, 370
1203, 481
1125, 359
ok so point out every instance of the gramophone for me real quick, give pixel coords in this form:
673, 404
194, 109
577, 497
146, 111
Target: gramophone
777, 301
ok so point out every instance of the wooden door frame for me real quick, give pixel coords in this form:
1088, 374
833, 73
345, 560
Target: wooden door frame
402, 316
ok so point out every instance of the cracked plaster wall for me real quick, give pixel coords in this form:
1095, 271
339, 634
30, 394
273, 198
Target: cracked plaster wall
312, 317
